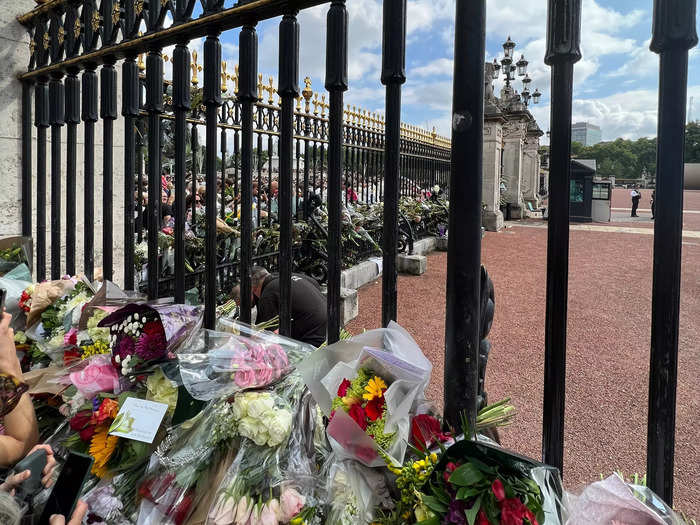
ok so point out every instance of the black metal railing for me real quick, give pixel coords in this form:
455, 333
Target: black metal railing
73, 36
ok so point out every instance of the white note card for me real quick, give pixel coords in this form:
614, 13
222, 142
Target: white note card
138, 419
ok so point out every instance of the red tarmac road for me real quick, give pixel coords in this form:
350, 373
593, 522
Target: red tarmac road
608, 346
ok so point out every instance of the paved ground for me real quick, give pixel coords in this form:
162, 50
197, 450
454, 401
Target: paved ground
608, 343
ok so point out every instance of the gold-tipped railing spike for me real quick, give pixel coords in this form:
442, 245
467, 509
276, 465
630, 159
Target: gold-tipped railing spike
324, 106
224, 76
298, 106
141, 64
271, 91
234, 79
316, 103
260, 86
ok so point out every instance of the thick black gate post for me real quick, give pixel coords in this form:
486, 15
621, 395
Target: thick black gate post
130, 110
56, 119
336, 84
288, 89
673, 35
247, 95
393, 75
464, 249
154, 107
108, 113
72, 119
27, 159
563, 38
181, 104
41, 121
212, 101
89, 116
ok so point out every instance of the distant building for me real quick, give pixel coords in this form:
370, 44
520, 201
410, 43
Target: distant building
585, 133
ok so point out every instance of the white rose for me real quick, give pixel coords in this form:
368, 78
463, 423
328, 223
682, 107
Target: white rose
261, 437
248, 427
278, 427
257, 407
240, 407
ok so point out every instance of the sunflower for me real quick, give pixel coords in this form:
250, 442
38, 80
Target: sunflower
102, 447
375, 388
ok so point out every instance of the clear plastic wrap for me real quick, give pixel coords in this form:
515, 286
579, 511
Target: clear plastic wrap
14, 288
613, 501
218, 364
393, 355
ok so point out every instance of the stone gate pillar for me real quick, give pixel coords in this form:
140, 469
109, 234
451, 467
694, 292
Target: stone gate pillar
513, 139
531, 166
492, 218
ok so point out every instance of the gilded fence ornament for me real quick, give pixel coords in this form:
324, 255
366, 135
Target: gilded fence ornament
95, 21
115, 12
324, 105
142, 66
307, 92
316, 103
138, 7
60, 36
271, 91
76, 28
195, 68
298, 106
224, 76
234, 79
260, 86
163, 3
46, 41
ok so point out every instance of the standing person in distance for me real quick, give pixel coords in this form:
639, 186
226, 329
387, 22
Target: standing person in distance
636, 196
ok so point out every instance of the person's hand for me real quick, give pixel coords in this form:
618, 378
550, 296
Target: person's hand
47, 474
15, 480
9, 364
81, 509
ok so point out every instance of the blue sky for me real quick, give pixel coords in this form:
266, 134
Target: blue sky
615, 82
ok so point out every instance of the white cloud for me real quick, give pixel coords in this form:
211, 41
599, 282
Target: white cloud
439, 67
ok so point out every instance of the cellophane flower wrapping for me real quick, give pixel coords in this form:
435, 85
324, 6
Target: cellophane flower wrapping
613, 501
179, 471
393, 355
218, 364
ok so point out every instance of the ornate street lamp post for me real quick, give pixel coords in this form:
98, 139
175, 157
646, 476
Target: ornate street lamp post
509, 70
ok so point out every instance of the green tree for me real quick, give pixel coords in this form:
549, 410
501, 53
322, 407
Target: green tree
692, 142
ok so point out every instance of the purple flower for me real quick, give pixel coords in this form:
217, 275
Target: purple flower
125, 346
455, 513
152, 344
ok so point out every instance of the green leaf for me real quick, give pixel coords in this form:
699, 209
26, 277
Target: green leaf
465, 475
435, 520
468, 492
471, 513
434, 504
483, 467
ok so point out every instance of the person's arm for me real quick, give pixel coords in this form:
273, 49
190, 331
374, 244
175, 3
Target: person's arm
21, 430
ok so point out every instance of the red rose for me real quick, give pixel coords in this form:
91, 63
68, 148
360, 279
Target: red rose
513, 512
80, 420
498, 490
358, 414
481, 518
425, 430
343, 388
87, 433
449, 469
374, 408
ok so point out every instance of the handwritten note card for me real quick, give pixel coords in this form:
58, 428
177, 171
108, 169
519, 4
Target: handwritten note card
138, 419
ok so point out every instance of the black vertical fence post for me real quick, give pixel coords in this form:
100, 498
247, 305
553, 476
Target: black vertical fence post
41, 121
89, 116
673, 35
212, 101
247, 95
288, 89
563, 38
130, 110
72, 119
393, 75
336, 83
108, 113
154, 107
181, 104
464, 253
56, 119
27, 159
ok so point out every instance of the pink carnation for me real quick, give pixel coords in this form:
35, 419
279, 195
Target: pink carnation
98, 376
71, 337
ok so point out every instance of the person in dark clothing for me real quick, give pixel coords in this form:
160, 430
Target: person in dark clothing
636, 196
653, 204
309, 314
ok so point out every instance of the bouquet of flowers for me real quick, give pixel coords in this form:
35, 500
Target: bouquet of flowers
219, 364
481, 484
369, 386
141, 335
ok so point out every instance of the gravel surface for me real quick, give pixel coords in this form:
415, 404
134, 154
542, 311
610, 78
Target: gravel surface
608, 347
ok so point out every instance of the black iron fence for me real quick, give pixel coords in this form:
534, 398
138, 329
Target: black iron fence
71, 37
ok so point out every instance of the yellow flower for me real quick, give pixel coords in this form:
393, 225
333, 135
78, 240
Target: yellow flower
433, 457
102, 447
350, 401
375, 388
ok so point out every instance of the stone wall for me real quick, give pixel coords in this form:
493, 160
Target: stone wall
14, 57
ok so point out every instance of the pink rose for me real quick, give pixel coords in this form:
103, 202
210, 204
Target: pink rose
98, 376
277, 356
267, 516
263, 373
291, 502
244, 377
